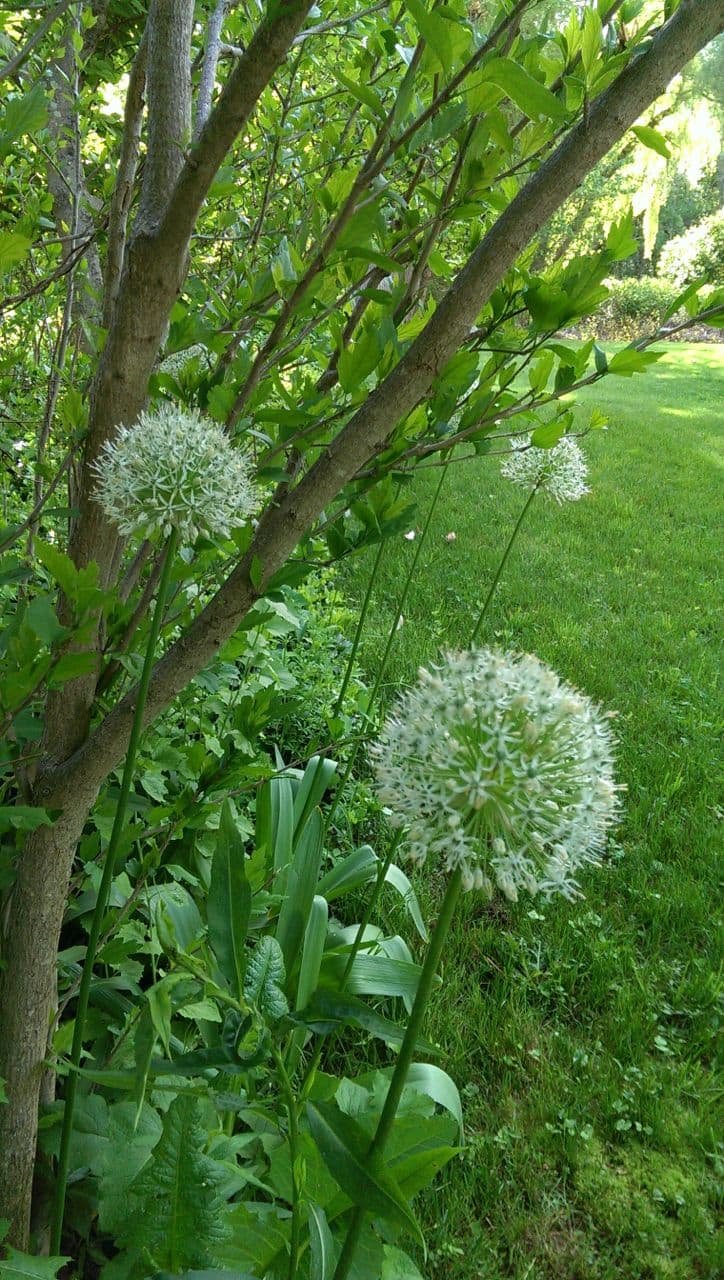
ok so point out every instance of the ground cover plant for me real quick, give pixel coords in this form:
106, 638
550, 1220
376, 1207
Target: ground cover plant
259, 264
586, 1043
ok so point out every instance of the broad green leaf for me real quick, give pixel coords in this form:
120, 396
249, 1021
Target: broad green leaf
628, 362
329, 1010
344, 1147
397, 878
321, 1246
372, 975
600, 359
397, 1266
24, 114
265, 979
435, 1083
21, 1266
683, 298
41, 618
537, 102
173, 1206
69, 667
316, 780
314, 939
356, 869
14, 248
359, 360
652, 138
548, 434
228, 905
621, 241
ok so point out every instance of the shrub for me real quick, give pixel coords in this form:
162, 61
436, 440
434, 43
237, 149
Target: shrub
698, 252
633, 307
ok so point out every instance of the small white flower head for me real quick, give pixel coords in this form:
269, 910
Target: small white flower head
174, 469
175, 363
495, 765
560, 472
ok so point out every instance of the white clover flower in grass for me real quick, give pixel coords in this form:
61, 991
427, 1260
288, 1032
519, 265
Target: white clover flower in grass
174, 469
495, 765
561, 472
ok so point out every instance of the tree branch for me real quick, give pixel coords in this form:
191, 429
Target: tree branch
123, 190
208, 69
694, 24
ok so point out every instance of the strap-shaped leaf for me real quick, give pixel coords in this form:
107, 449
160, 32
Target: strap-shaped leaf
321, 1247
328, 1010
299, 890
344, 1146
229, 902
354, 870
313, 784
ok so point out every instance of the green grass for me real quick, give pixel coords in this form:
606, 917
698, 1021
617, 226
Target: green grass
583, 1036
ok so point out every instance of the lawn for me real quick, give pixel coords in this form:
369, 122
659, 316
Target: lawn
583, 1037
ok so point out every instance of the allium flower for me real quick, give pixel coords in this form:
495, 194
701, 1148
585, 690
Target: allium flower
176, 362
561, 472
174, 469
495, 765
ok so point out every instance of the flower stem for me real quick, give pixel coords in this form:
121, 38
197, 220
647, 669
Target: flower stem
404, 1059
104, 894
501, 566
293, 1139
382, 666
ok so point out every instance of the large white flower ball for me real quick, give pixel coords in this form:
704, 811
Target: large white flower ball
494, 764
174, 470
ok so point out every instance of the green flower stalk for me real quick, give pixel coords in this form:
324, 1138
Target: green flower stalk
174, 475
560, 473
498, 769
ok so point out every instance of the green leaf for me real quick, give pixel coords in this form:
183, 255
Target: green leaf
13, 249
435, 1083
356, 869
397, 878
652, 138
314, 939
329, 1011
600, 358
591, 40
23, 817
69, 667
435, 32
21, 1266
358, 361
344, 1147
397, 1265
41, 618
321, 1246
537, 102
316, 780
173, 1211
361, 92
630, 361
299, 889
548, 434
25, 114
265, 977
228, 906
621, 241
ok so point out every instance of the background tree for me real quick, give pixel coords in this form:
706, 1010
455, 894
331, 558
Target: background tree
305, 230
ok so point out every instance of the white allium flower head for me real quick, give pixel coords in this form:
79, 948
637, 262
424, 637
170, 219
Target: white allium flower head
495, 765
561, 472
174, 469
